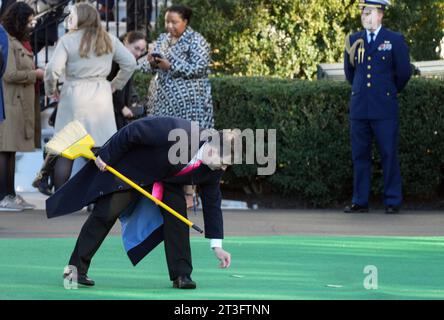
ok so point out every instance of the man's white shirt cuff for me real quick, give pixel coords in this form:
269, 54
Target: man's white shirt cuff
216, 243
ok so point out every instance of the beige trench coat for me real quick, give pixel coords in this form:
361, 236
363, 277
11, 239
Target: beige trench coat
86, 94
21, 129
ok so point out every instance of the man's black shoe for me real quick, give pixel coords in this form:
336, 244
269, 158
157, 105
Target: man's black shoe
184, 282
391, 209
355, 208
81, 279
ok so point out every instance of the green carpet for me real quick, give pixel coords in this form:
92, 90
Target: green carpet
283, 267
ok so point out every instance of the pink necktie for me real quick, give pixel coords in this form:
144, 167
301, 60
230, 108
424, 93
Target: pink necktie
158, 186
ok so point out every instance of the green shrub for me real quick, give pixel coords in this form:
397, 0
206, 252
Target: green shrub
313, 146
422, 23
285, 38
313, 152
289, 38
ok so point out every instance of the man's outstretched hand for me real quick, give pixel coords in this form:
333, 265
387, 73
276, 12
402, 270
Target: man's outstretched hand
223, 256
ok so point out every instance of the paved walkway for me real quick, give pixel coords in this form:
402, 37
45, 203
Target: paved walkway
250, 222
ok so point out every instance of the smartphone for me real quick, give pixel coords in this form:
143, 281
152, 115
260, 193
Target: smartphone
156, 55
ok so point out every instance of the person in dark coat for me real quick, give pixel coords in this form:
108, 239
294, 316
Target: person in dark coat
377, 65
143, 152
5, 5
123, 99
106, 10
138, 15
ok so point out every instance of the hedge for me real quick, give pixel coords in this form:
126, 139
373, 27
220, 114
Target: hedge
289, 38
313, 145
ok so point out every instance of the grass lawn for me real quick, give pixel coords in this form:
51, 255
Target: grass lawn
271, 267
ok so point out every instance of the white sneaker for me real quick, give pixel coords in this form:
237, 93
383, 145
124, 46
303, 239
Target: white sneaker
21, 202
8, 203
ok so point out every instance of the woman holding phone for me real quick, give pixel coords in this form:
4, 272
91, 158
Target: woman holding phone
180, 61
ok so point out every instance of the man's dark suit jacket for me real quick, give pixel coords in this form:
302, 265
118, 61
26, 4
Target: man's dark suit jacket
140, 152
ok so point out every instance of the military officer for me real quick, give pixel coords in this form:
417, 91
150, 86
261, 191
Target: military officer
377, 65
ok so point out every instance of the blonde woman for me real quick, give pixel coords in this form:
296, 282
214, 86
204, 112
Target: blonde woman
84, 56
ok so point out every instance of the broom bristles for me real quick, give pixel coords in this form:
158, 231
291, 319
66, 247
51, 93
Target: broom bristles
69, 135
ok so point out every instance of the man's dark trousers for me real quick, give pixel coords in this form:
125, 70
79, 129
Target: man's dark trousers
105, 214
385, 131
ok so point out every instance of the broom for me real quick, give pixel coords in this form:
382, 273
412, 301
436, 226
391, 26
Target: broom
73, 141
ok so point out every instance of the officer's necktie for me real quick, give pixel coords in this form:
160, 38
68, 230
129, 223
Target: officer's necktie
372, 38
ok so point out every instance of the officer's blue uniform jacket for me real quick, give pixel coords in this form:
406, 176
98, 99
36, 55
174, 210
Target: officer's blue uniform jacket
140, 152
376, 81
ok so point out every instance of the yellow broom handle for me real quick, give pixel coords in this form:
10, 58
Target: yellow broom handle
157, 201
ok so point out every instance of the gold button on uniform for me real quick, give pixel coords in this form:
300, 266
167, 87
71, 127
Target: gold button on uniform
388, 94
369, 58
369, 67
369, 84
369, 76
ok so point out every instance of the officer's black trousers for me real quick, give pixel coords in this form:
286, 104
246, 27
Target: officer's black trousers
108, 209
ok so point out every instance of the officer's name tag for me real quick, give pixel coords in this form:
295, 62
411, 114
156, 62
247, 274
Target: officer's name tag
386, 46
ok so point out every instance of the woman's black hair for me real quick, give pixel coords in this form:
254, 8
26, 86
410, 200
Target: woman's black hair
15, 20
184, 11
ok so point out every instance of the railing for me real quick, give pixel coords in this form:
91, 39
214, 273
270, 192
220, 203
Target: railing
50, 15
140, 15
425, 69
